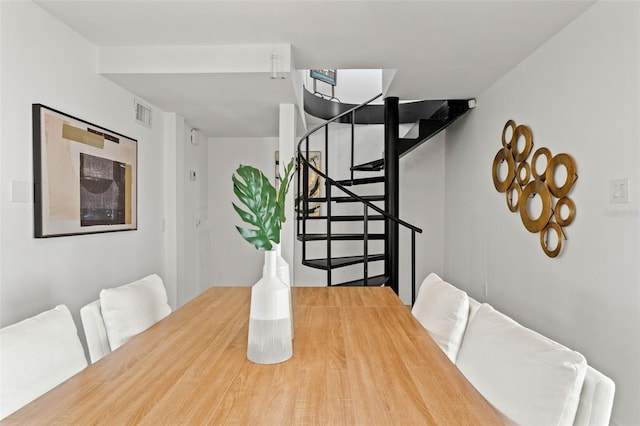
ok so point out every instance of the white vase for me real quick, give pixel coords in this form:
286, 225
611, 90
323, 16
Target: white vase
269, 340
282, 267
282, 271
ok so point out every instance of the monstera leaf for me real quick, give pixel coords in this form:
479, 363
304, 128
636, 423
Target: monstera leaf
255, 191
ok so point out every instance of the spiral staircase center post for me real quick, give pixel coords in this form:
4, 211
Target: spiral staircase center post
392, 189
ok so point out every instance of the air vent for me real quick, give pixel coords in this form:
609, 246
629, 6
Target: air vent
142, 113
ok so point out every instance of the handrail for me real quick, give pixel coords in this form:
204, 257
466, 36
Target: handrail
339, 185
363, 201
337, 117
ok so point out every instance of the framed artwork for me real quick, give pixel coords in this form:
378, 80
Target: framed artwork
328, 76
85, 176
315, 182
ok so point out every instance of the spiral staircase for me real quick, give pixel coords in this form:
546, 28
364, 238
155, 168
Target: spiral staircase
371, 188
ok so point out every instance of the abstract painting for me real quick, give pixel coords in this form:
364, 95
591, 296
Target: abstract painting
85, 176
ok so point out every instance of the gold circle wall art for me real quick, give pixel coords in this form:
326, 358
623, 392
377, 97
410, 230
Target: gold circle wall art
524, 181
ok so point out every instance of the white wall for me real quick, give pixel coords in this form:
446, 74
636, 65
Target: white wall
45, 62
233, 261
173, 175
194, 278
186, 233
286, 147
580, 94
422, 204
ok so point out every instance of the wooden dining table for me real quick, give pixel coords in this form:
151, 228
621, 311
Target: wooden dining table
359, 358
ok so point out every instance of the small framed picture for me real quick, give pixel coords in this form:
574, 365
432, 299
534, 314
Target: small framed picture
85, 176
328, 76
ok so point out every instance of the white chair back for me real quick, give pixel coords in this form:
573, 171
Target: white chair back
36, 355
596, 399
528, 377
474, 305
443, 311
132, 308
95, 331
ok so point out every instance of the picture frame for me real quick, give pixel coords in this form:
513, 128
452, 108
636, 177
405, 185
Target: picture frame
85, 176
315, 182
327, 76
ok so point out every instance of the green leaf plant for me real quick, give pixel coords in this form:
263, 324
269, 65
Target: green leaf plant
264, 207
285, 182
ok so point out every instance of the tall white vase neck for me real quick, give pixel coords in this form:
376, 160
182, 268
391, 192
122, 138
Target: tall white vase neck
282, 272
282, 267
270, 263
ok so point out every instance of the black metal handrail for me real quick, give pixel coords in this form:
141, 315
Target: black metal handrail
307, 165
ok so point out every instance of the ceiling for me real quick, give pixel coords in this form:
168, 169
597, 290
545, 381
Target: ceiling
439, 49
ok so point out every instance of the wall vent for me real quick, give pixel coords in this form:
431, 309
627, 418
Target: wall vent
142, 113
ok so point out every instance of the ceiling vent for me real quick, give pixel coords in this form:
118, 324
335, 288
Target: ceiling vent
142, 113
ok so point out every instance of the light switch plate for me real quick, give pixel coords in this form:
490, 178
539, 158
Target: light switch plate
20, 191
619, 191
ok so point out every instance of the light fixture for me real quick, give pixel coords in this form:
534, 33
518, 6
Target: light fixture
275, 75
275, 68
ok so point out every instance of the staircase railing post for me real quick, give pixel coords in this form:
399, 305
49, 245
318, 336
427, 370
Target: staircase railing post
392, 189
366, 244
413, 267
305, 200
327, 188
299, 191
353, 120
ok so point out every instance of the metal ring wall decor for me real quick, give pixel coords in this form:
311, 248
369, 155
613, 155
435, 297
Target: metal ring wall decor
503, 155
544, 239
525, 181
512, 202
510, 125
535, 187
566, 161
564, 201
534, 162
525, 132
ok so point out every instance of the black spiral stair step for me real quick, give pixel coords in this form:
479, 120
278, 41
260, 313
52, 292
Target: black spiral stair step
442, 118
408, 112
339, 262
428, 128
361, 181
371, 166
347, 199
339, 237
347, 218
375, 281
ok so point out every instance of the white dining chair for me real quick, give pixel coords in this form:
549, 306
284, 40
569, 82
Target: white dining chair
531, 379
126, 311
474, 305
596, 399
95, 331
36, 355
443, 310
